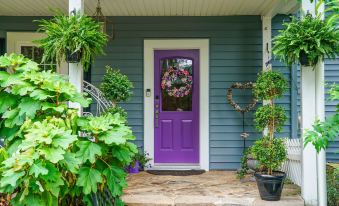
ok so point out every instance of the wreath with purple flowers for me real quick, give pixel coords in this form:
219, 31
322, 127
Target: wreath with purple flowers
177, 82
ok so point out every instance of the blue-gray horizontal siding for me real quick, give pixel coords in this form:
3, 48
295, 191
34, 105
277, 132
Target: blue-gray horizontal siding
285, 100
235, 56
331, 77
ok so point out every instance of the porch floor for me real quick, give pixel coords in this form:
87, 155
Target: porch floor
211, 188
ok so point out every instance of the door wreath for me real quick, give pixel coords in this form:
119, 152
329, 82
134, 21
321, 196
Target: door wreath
177, 82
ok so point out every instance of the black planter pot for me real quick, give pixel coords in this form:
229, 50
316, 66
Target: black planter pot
303, 59
270, 186
73, 57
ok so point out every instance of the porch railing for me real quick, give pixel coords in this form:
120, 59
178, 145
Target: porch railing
292, 166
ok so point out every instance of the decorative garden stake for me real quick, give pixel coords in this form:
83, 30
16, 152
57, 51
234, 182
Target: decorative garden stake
248, 85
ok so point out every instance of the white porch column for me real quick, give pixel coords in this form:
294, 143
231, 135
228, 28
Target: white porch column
267, 42
75, 71
266, 50
313, 107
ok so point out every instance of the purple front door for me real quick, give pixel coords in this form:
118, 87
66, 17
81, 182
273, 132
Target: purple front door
176, 106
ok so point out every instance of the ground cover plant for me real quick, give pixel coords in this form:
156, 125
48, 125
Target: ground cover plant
53, 156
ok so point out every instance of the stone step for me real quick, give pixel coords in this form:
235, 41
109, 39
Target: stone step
197, 200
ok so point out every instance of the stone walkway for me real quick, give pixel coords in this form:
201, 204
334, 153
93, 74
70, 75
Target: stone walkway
220, 188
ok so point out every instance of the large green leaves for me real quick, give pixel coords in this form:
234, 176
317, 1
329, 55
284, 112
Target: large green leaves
115, 178
88, 151
51, 153
89, 179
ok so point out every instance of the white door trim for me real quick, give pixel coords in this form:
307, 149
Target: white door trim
163, 44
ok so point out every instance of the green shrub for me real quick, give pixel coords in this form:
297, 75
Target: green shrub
270, 85
323, 132
332, 175
117, 110
116, 86
56, 157
272, 117
75, 33
269, 153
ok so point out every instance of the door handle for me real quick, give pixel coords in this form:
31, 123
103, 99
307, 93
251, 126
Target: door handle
156, 118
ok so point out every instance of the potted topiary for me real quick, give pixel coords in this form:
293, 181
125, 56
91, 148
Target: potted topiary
269, 151
116, 86
308, 40
76, 38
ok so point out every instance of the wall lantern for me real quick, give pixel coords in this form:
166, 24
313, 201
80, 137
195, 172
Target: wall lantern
103, 21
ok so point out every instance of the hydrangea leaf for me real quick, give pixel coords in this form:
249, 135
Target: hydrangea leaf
6, 101
38, 169
71, 162
115, 180
11, 179
64, 140
29, 107
88, 179
115, 136
39, 94
52, 154
88, 150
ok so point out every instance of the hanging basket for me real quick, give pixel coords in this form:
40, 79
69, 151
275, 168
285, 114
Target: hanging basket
303, 58
73, 57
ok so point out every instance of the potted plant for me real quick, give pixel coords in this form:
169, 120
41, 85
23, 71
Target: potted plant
270, 152
76, 38
116, 86
139, 162
308, 40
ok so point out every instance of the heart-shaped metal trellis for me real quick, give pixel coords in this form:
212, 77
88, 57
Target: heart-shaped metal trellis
249, 107
247, 85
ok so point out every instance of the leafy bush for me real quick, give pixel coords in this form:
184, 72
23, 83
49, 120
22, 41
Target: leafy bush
323, 132
270, 116
311, 35
75, 33
116, 86
56, 157
270, 85
117, 110
332, 176
269, 153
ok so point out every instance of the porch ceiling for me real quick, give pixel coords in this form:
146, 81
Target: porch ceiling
153, 7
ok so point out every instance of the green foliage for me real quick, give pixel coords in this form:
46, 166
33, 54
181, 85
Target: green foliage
270, 116
332, 176
115, 110
75, 33
116, 86
243, 163
269, 85
311, 35
56, 157
269, 153
323, 132
143, 158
